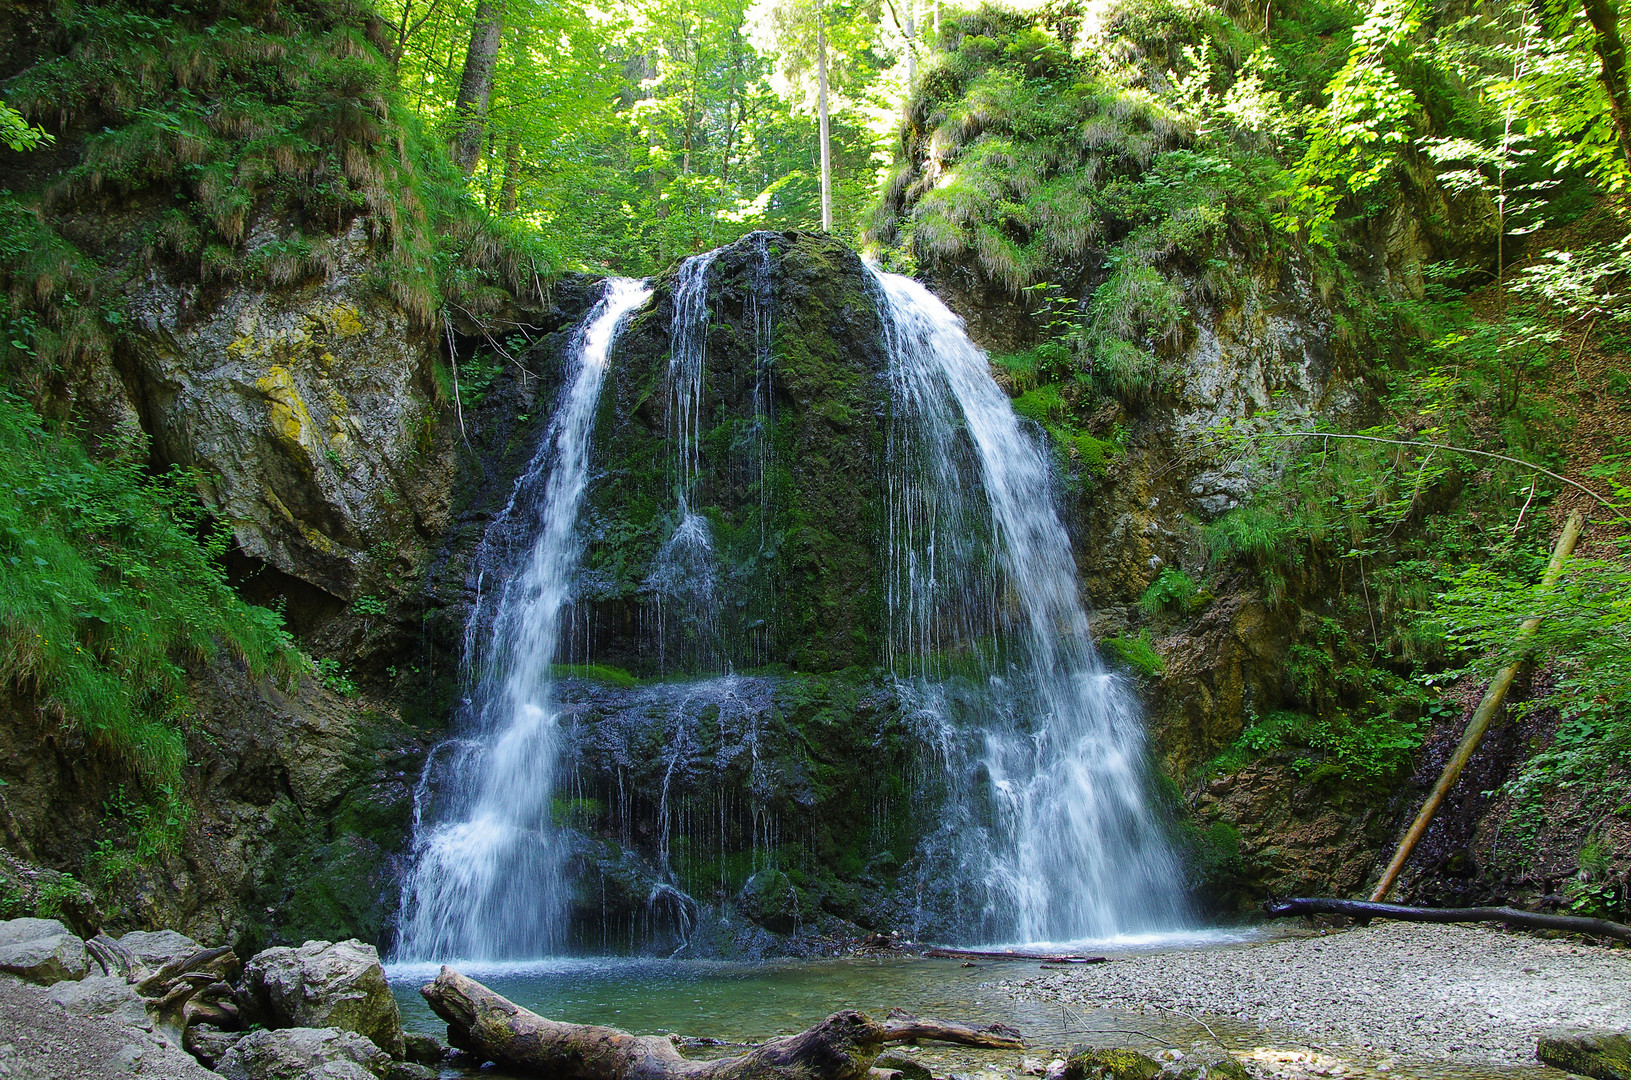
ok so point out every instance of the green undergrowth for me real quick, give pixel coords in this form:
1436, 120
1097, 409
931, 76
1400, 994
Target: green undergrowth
602, 673
109, 588
1137, 652
255, 146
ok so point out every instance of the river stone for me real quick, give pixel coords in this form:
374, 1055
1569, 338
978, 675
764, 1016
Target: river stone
407, 1070
423, 1049
42, 951
108, 996
1603, 1054
303, 1053
326, 984
1110, 1064
903, 1065
152, 949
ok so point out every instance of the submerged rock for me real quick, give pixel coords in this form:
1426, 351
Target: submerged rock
42, 951
304, 1053
1110, 1064
1605, 1055
325, 985
423, 1049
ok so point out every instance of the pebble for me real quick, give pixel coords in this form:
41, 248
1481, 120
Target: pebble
1467, 994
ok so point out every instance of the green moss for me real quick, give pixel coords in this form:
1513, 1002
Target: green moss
1137, 653
1110, 1064
604, 673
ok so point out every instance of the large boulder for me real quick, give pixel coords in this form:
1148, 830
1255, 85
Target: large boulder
1605, 1055
42, 951
304, 1053
325, 984
107, 996
152, 949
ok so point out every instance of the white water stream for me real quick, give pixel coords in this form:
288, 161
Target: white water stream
1050, 814
485, 882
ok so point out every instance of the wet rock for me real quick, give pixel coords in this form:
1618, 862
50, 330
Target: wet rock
908, 1068
1202, 1067
325, 984
303, 1053
108, 996
770, 899
407, 1070
1110, 1064
1605, 1055
209, 1044
42, 951
1055, 1069
423, 1049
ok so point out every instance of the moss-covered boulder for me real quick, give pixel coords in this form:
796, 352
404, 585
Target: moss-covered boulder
1110, 1064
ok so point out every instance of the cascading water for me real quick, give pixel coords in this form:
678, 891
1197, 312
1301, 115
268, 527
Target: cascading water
1049, 814
684, 581
485, 868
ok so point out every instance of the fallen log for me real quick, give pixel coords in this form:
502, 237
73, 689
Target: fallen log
1009, 954
841, 1047
1530, 920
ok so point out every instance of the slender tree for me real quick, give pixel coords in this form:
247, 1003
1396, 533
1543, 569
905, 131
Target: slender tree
1605, 23
821, 107
476, 84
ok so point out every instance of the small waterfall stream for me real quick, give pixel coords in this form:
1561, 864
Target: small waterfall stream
1033, 767
485, 876
989, 631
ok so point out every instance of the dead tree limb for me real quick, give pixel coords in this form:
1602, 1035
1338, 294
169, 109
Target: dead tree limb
841, 1047
1529, 920
1009, 954
1482, 717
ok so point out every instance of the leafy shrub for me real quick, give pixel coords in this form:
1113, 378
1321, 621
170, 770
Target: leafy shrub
1172, 590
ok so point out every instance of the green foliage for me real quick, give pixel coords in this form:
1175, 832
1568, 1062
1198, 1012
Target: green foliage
1171, 591
107, 592
1137, 653
18, 134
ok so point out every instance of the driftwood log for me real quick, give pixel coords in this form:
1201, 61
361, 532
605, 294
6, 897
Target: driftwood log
1009, 954
1531, 920
841, 1047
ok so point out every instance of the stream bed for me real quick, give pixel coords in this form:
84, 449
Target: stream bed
741, 1002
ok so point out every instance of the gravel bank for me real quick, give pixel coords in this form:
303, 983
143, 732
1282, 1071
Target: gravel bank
1429, 993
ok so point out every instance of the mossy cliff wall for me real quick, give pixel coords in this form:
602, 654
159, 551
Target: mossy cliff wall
794, 399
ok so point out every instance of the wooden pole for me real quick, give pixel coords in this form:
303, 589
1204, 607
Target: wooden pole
1479, 724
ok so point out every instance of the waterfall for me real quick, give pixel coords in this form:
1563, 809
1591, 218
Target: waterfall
485, 877
684, 579
1051, 832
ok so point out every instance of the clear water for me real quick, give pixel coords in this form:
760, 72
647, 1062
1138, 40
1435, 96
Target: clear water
1051, 832
485, 881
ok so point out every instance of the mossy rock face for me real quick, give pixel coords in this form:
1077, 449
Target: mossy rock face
788, 481
1110, 1064
1605, 1055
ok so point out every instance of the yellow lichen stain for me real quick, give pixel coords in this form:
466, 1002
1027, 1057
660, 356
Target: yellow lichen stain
292, 423
344, 321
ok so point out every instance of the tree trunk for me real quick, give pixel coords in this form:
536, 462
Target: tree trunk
1531, 920
911, 46
508, 195
841, 1047
1605, 20
821, 109
476, 84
